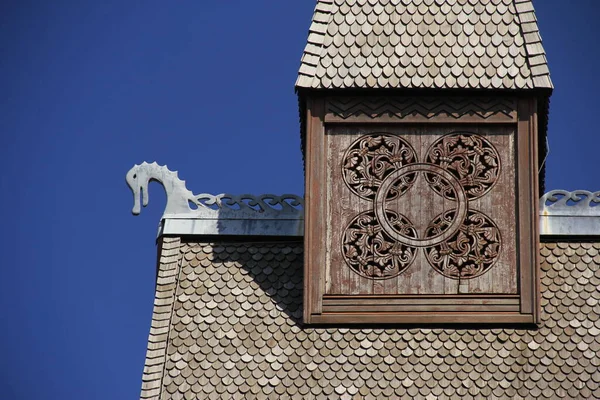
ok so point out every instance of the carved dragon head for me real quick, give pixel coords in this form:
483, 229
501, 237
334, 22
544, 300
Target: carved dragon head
137, 179
180, 199
140, 176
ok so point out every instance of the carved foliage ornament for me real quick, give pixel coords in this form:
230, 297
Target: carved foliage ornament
470, 158
460, 243
369, 161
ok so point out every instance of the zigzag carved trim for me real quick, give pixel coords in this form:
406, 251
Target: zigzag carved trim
421, 109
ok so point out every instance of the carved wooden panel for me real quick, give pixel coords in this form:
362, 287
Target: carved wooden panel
421, 109
421, 222
421, 211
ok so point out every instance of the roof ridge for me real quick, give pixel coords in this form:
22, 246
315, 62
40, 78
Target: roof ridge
536, 55
316, 37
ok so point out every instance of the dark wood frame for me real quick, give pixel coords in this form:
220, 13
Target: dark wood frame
522, 308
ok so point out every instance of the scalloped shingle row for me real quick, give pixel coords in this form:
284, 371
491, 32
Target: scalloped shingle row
234, 333
442, 44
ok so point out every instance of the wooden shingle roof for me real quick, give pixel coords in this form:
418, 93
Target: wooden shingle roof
226, 325
434, 44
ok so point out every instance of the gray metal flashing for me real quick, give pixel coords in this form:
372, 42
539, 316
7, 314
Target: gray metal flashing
232, 227
223, 214
562, 213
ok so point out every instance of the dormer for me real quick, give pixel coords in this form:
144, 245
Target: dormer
423, 126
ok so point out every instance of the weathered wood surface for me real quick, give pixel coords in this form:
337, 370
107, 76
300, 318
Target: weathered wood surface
527, 179
426, 203
313, 249
421, 109
420, 205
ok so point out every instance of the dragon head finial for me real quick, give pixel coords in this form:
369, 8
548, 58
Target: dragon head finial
138, 178
181, 201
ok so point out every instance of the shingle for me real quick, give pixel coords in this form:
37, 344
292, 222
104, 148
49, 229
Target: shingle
397, 44
163, 305
241, 336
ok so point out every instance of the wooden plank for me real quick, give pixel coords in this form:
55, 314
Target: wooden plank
342, 208
418, 299
308, 205
354, 282
377, 109
373, 304
426, 296
424, 318
417, 119
535, 228
313, 252
318, 132
527, 186
425, 308
534, 196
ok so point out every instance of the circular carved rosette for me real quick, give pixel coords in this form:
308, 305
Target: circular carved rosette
470, 252
371, 158
471, 158
451, 186
371, 253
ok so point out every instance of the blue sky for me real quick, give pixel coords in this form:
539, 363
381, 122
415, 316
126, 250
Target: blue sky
89, 88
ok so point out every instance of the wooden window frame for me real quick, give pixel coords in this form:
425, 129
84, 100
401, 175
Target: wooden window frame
522, 308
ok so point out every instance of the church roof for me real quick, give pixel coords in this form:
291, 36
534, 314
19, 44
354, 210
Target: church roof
434, 44
227, 317
227, 325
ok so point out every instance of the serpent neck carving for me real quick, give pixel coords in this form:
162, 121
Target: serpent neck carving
182, 202
140, 176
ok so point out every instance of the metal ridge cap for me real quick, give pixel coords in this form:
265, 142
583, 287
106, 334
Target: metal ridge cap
182, 203
562, 225
562, 212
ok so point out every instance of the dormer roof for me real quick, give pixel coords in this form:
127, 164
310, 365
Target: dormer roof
431, 44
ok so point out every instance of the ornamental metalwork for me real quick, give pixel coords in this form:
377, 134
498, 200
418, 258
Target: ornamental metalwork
183, 202
570, 203
568, 213
460, 243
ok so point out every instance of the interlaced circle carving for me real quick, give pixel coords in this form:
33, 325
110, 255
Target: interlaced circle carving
369, 160
371, 252
471, 158
460, 243
381, 201
470, 252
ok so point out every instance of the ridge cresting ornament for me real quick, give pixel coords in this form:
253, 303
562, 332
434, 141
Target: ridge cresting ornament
182, 202
459, 243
